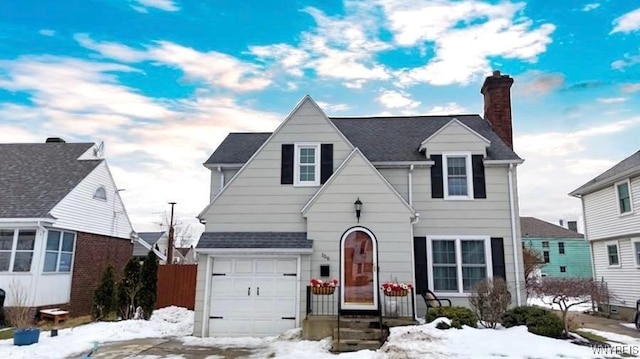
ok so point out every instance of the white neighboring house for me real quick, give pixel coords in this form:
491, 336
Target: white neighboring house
147, 241
439, 209
61, 221
611, 206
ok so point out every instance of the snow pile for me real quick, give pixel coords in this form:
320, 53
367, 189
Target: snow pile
544, 303
165, 322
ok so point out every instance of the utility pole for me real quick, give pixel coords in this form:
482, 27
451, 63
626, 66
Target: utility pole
170, 246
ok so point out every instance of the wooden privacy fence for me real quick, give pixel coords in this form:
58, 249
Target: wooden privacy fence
177, 285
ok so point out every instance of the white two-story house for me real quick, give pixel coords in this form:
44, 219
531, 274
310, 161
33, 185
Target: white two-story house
426, 200
610, 205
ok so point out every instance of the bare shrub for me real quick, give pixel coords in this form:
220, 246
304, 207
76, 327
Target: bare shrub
569, 292
489, 300
533, 262
18, 314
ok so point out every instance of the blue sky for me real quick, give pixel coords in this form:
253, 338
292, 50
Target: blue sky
162, 82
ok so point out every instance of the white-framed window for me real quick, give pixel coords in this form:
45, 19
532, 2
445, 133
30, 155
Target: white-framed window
457, 175
613, 254
458, 263
635, 247
623, 195
16, 249
100, 193
59, 251
306, 170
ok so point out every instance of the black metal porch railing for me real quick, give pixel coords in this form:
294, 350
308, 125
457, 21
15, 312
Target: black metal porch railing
326, 302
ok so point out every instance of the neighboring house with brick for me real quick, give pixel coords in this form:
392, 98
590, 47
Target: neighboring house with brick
427, 200
61, 221
565, 251
611, 203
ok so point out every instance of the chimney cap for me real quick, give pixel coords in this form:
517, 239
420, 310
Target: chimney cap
55, 140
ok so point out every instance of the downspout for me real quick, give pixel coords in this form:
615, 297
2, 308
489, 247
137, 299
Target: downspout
413, 266
221, 177
410, 176
514, 240
586, 237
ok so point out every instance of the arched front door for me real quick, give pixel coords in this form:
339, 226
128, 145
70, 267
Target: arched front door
359, 270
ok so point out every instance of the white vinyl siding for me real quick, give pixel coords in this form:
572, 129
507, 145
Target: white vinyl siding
455, 137
306, 170
80, 211
256, 191
618, 277
602, 213
457, 175
457, 263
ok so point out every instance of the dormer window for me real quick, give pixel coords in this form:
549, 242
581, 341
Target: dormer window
624, 197
457, 175
307, 164
100, 193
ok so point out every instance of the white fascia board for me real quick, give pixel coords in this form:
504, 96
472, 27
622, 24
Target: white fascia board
223, 165
632, 172
392, 164
503, 162
264, 144
454, 120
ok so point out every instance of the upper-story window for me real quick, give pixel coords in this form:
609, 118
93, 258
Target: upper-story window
624, 197
612, 254
457, 176
100, 193
16, 249
307, 165
560, 247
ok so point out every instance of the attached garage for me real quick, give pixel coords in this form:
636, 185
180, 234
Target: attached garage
249, 283
252, 296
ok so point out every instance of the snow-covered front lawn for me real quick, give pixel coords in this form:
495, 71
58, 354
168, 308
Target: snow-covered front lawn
544, 303
420, 341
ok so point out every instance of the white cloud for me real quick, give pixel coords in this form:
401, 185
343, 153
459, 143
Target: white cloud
338, 107
215, 68
166, 5
450, 108
610, 100
47, 32
629, 60
462, 53
630, 87
396, 99
589, 7
289, 58
628, 22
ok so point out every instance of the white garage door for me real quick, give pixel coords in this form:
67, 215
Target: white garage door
252, 296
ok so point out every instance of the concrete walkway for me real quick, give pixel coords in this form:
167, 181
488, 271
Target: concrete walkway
601, 323
165, 348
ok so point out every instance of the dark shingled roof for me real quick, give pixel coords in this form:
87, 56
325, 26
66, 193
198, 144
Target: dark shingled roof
150, 237
531, 227
379, 138
36, 176
254, 240
625, 165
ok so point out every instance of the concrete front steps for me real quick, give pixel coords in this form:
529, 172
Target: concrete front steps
359, 333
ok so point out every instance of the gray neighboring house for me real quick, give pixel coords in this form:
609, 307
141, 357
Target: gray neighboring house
426, 200
147, 241
611, 203
61, 222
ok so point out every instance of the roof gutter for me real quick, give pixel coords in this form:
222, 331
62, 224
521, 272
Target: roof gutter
503, 162
37, 221
213, 166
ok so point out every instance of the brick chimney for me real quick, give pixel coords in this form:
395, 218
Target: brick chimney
573, 225
497, 105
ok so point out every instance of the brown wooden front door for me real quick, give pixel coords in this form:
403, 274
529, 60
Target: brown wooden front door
359, 270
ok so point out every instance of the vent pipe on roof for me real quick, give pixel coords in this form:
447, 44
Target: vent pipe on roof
55, 140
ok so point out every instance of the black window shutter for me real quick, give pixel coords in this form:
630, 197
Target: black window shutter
497, 257
437, 187
420, 253
479, 185
326, 161
286, 166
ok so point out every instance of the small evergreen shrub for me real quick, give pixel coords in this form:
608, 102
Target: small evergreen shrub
538, 321
128, 289
459, 316
149, 279
104, 296
443, 326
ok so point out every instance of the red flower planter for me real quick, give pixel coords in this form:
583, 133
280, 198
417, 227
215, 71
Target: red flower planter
323, 290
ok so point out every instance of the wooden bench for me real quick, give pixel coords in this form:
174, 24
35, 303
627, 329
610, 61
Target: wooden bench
54, 314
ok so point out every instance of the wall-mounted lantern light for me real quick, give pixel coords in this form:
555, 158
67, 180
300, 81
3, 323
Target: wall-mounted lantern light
358, 207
